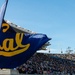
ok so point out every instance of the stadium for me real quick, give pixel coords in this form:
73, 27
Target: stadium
46, 63
52, 64
19, 52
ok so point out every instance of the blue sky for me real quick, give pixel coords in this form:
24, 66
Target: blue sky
56, 18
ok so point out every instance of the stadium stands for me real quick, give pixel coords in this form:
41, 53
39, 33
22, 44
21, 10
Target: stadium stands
41, 63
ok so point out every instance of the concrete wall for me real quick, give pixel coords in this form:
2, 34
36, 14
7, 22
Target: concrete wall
15, 72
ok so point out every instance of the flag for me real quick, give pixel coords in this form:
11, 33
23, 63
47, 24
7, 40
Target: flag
16, 48
2, 12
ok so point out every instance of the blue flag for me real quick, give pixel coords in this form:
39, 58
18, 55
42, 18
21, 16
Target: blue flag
16, 48
2, 12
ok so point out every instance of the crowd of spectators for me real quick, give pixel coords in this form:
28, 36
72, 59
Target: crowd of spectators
41, 63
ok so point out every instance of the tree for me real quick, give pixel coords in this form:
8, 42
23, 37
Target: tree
69, 51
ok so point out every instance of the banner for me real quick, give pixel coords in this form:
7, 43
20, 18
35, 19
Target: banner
17, 48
